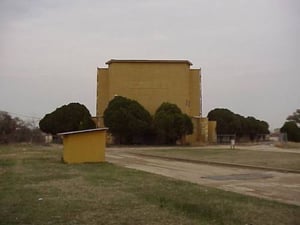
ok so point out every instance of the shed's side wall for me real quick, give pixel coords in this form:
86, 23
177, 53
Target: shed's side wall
84, 147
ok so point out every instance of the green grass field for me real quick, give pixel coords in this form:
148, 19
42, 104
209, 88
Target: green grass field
36, 188
284, 160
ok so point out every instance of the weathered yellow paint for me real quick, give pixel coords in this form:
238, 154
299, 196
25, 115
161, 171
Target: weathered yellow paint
152, 82
84, 146
195, 100
195, 137
212, 131
204, 129
102, 93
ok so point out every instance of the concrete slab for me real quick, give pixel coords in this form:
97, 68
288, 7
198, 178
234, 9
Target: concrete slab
282, 187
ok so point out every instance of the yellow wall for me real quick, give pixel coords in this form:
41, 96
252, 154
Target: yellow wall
212, 131
204, 129
195, 93
84, 146
102, 93
195, 137
150, 83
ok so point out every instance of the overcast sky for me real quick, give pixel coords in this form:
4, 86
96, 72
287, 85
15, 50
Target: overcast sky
248, 50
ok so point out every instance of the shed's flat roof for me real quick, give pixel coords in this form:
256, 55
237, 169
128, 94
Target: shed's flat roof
147, 61
83, 131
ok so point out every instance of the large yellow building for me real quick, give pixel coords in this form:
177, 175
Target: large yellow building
152, 82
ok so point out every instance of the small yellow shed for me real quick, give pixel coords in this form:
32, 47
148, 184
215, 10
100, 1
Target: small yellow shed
84, 146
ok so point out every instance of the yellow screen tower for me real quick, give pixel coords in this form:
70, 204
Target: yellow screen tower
152, 82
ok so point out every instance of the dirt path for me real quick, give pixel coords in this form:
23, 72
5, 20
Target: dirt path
260, 147
283, 187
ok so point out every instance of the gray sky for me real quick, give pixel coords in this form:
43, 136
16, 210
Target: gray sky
248, 50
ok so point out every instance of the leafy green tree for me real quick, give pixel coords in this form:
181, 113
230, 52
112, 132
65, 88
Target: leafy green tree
171, 124
295, 117
226, 121
188, 126
127, 120
71, 117
252, 127
292, 130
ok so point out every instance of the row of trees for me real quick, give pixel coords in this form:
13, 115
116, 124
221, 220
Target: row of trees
243, 127
292, 127
130, 123
127, 120
18, 130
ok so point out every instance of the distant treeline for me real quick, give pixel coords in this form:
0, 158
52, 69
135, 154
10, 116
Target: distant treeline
243, 127
128, 122
17, 130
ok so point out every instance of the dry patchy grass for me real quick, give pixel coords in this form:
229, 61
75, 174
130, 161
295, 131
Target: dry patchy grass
284, 160
36, 188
